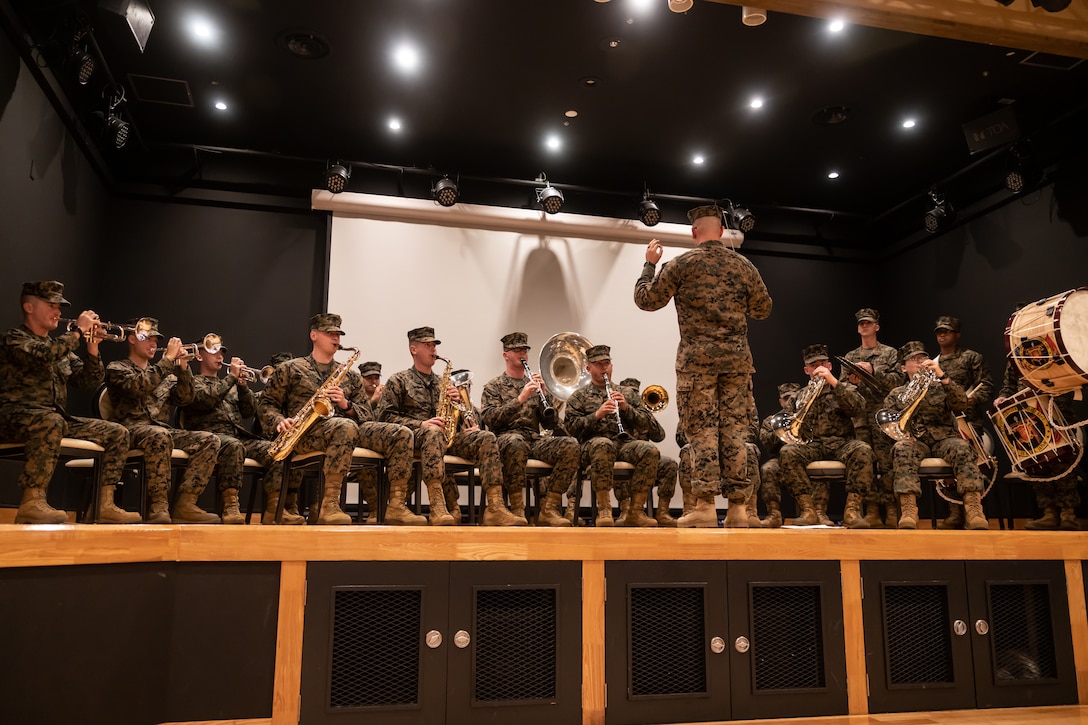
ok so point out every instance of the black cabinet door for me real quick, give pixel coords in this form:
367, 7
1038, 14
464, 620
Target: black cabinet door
1023, 646
665, 633
374, 642
514, 643
917, 642
786, 647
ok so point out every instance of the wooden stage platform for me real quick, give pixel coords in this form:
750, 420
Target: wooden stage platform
296, 548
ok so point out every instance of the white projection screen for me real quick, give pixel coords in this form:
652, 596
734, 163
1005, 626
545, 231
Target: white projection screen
475, 285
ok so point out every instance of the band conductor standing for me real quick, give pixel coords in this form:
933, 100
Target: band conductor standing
716, 290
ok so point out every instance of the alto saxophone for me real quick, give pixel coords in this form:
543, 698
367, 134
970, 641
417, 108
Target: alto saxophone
318, 406
447, 408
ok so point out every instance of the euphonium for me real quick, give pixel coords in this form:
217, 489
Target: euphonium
446, 407
787, 426
894, 422
318, 406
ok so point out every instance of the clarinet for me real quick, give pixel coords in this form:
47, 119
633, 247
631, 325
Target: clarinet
619, 419
548, 416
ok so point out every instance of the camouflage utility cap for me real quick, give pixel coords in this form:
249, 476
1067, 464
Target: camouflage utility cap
370, 368
598, 353
631, 383
867, 313
788, 389
147, 327
423, 334
706, 210
812, 353
946, 322
910, 349
326, 322
52, 292
515, 341
280, 357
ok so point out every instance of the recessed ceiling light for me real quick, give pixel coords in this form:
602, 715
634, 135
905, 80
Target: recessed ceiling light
571, 113
836, 25
590, 82
553, 143
202, 30
406, 58
614, 43
909, 123
756, 102
697, 159
832, 174
221, 105
394, 124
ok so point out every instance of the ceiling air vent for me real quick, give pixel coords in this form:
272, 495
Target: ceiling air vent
169, 91
1049, 60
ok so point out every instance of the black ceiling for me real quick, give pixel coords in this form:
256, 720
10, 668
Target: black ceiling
651, 89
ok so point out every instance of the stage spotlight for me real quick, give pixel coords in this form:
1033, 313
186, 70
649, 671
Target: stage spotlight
116, 130
648, 213
1051, 6
941, 215
84, 63
336, 177
1021, 173
445, 192
680, 6
550, 198
738, 218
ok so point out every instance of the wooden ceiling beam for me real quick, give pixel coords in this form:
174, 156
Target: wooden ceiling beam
978, 21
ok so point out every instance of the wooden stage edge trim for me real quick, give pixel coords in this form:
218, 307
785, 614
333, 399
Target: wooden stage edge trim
70, 544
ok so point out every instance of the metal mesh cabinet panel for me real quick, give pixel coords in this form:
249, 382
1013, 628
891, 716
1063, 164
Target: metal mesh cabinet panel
787, 638
917, 635
516, 645
669, 617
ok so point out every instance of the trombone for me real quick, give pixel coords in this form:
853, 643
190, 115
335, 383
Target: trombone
100, 330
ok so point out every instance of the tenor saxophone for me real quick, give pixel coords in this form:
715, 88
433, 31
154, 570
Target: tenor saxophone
318, 406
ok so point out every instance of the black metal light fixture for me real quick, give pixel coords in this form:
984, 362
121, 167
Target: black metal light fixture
336, 177
738, 218
648, 212
445, 192
941, 215
550, 198
114, 128
80, 58
1021, 173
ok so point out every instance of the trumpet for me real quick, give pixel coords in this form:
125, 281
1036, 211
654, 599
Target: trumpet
262, 374
211, 344
548, 416
99, 331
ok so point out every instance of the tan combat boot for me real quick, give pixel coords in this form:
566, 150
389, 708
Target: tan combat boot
664, 516
396, 513
972, 510
636, 511
268, 517
625, 508
330, 513
33, 509
891, 515
453, 505
290, 506
851, 515
108, 513
955, 517
774, 516
186, 511
703, 516
159, 511
908, 511
517, 505
604, 509
231, 512
1047, 522
1069, 520
752, 509
436, 502
819, 505
549, 511
807, 516
496, 513
736, 516
369, 492
571, 512
689, 501
872, 515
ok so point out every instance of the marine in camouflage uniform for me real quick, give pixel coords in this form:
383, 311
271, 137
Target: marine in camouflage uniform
715, 290
828, 427
591, 418
933, 432
411, 399
1058, 499
221, 406
971, 373
141, 395
883, 366
371, 374
667, 469
291, 387
35, 370
512, 409
770, 476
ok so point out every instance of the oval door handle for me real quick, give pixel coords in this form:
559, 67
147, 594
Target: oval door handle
959, 627
982, 627
717, 645
461, 639
742, 644
434, 639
